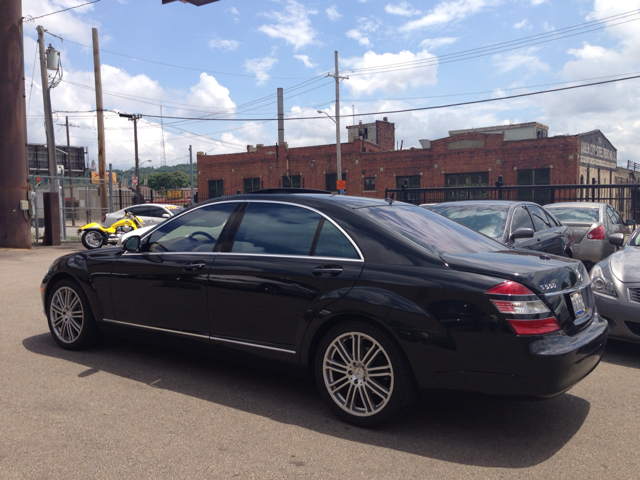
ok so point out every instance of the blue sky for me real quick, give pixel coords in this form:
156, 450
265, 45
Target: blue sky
227, 59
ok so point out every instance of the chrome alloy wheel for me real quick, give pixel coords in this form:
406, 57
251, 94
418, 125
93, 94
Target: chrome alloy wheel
94, 239
358, 374
66, 314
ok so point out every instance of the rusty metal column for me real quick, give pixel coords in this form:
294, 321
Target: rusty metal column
15, 227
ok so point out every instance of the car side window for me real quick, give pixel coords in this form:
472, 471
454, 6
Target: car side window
138, 211
333, 243
156, 212
540, 219
277, 229
552, 221
614, 216
196, 231
521, 219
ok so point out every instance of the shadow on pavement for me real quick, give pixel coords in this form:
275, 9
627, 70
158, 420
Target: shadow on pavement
625, 354
463, 430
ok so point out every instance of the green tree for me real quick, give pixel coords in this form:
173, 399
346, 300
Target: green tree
168, 180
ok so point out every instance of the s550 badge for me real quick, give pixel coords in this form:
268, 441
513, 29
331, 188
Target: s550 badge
548, 286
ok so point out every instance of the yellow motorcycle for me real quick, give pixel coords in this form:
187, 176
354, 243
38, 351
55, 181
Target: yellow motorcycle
95, 235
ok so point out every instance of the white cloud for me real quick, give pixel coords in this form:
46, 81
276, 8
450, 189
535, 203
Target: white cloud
404, 9
535, 3
523, 24
70, 26
228, 45
332, 13
447, 12
359, 36
526, 58
366, 26
305, 59
260, 66
209, 93
234, 11
292, 25
432, 43
390, 81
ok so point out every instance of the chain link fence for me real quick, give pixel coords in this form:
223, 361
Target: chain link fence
80, 203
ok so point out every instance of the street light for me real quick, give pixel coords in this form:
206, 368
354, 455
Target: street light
322, 111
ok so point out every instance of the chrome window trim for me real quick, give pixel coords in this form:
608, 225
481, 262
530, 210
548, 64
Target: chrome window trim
355, 246
171, 253
208, 337
297, 257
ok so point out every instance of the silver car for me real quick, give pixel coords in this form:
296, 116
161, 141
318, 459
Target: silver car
591, 224
149, 213
616, 285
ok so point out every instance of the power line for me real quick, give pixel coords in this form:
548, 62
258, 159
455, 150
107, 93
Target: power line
266, 77
497, 48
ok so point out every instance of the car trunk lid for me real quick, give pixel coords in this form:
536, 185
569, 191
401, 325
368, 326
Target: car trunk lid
553, 279
579, 229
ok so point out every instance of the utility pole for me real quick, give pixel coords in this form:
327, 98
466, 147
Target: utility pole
48, 119
337, 78
15, 227
102, 161
191, 162
134, 118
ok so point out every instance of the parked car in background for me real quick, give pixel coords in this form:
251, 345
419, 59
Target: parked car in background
592, 224
522, 225
149, 213
378, 299
616, 284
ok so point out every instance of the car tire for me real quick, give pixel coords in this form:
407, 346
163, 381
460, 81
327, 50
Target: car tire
70, 317
363, 375
92, 239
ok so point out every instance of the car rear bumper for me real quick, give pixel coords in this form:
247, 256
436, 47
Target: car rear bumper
532, 367
591, 251
623, 316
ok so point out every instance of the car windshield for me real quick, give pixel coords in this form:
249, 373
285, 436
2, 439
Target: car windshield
487, 219
430, 230
576, 214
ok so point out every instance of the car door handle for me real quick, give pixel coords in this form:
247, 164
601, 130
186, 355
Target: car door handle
327, 271
192, 267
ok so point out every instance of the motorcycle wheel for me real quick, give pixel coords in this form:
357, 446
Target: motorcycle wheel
92, 239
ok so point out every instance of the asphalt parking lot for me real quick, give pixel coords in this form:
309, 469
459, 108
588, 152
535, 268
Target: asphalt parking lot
129, 410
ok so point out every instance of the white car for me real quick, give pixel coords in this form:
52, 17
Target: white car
149, 213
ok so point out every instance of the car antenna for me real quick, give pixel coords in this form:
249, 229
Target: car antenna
390, 198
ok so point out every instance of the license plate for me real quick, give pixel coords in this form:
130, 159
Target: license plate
578, 304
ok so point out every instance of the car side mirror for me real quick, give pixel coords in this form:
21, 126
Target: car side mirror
522, 233
616, 239
132, 244
631, 223
166, 215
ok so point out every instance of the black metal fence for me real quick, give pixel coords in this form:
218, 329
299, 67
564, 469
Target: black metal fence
624, 197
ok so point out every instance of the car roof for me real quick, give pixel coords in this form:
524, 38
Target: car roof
576, 204
309, 199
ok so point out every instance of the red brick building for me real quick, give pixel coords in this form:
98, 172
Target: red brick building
370, 162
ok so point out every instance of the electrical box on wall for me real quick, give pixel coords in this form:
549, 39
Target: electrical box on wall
24, 205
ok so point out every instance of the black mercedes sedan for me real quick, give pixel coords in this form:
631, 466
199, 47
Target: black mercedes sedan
379, 300
523, 225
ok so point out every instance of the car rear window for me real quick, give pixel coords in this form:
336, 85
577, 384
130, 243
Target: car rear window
576, 214
489, 220
430, 230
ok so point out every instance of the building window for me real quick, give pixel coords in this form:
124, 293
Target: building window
251, 184
330, 181
291, 181
539, 176
369, 183
216, 188
476, 179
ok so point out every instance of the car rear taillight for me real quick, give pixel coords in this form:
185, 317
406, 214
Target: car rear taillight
534, 327
596, 234
104, 218
513, 298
